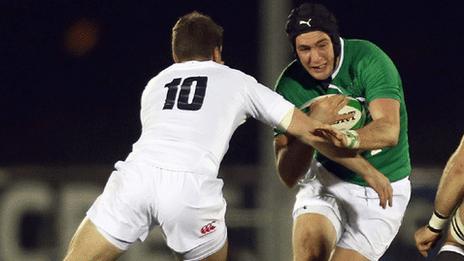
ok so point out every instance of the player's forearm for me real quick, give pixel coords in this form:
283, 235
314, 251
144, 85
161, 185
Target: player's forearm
451, 188
293, 160
379, 134
347, 158
448, 197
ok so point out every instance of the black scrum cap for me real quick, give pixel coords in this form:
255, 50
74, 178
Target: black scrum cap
310, 17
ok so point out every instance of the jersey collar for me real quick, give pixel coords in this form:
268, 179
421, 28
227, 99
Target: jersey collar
342, 54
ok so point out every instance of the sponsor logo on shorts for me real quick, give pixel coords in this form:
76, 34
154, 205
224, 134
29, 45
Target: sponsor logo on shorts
208, 228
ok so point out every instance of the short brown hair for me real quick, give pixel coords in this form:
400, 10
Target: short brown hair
195, 36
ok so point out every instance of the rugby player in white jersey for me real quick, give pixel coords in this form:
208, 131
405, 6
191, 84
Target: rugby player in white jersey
449, 209
189, 112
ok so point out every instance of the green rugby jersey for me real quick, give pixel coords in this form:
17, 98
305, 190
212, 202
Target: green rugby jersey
365, 72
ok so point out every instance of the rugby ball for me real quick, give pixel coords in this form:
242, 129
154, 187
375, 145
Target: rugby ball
353, 107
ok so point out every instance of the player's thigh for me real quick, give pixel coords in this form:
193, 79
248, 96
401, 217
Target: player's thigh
313, 232
318, 220
88, 244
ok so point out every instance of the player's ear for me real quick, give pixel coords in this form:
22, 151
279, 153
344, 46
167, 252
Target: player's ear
217, 55
174, 57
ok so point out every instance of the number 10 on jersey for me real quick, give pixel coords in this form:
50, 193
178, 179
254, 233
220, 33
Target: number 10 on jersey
185, 89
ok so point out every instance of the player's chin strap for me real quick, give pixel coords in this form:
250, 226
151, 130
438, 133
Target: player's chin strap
325, 83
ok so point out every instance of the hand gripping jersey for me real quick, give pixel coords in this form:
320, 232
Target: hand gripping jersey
190, 110
365, 72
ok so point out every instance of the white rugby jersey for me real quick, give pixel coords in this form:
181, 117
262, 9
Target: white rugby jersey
190, 110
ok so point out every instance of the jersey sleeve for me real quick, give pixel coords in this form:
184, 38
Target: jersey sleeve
379, 75
264, 104
281, 84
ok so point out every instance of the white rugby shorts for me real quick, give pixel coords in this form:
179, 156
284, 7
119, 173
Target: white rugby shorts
360, 222
189, 207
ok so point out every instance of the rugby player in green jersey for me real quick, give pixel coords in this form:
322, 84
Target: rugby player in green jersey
337, 213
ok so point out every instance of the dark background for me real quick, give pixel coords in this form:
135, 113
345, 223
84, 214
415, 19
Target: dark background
72, 72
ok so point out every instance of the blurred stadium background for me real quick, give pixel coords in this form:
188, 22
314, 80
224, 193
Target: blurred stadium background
72, 72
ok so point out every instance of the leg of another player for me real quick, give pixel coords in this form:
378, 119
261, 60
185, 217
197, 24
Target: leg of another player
452, 250
88, 244
343, 254
314, 237
220, 255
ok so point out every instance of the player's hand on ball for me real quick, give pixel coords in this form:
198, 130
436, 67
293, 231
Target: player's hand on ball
425, 240
382, 186
342, 112
326, 109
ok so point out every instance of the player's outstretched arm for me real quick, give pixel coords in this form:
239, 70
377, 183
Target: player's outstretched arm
307, 129
449, 195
